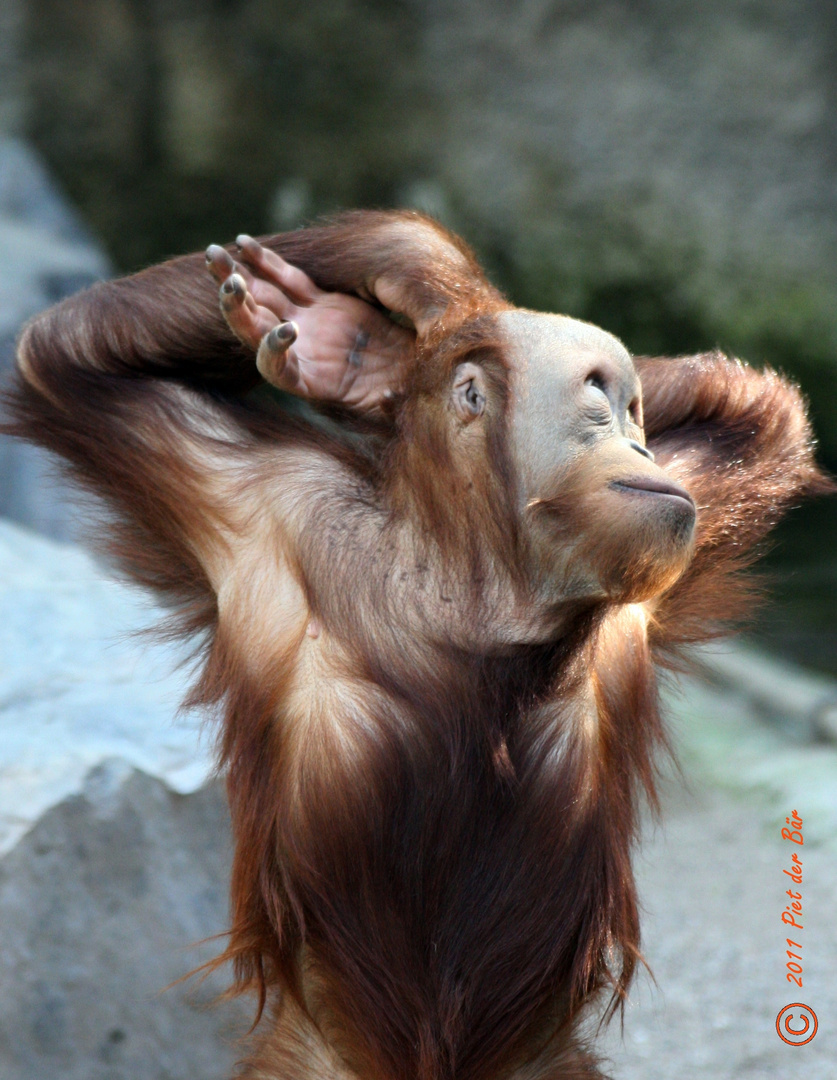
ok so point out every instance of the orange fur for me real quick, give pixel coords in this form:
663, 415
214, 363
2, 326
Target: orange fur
433, 805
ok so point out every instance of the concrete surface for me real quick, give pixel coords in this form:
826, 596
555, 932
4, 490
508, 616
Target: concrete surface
713, 893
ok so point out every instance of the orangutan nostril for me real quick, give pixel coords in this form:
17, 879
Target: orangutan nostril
640, 449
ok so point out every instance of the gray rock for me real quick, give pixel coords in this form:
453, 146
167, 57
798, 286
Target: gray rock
114, 838
102, 906
77, 686
45, 255
30, 198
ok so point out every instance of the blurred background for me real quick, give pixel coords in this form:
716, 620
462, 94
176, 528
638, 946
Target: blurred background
662, 168
666, 169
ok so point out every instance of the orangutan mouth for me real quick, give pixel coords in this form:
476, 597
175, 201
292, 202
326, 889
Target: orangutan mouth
650, 485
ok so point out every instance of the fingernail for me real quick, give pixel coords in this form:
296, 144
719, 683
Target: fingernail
234, 284
280, 337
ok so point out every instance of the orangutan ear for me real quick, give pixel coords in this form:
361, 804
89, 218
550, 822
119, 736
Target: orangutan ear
739, 441
468, 392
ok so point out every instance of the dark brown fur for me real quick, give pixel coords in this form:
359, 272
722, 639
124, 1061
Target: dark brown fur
432, 871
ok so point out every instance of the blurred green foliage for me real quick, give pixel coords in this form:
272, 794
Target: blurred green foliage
174, 124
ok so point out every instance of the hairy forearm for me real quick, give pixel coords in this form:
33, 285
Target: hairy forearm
162, 322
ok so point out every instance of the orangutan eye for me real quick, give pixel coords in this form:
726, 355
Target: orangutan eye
598, 404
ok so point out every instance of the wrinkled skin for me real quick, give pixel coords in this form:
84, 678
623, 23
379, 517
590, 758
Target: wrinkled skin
575, 418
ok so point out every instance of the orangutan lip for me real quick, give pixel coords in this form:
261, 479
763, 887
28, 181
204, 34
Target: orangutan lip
650, 485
